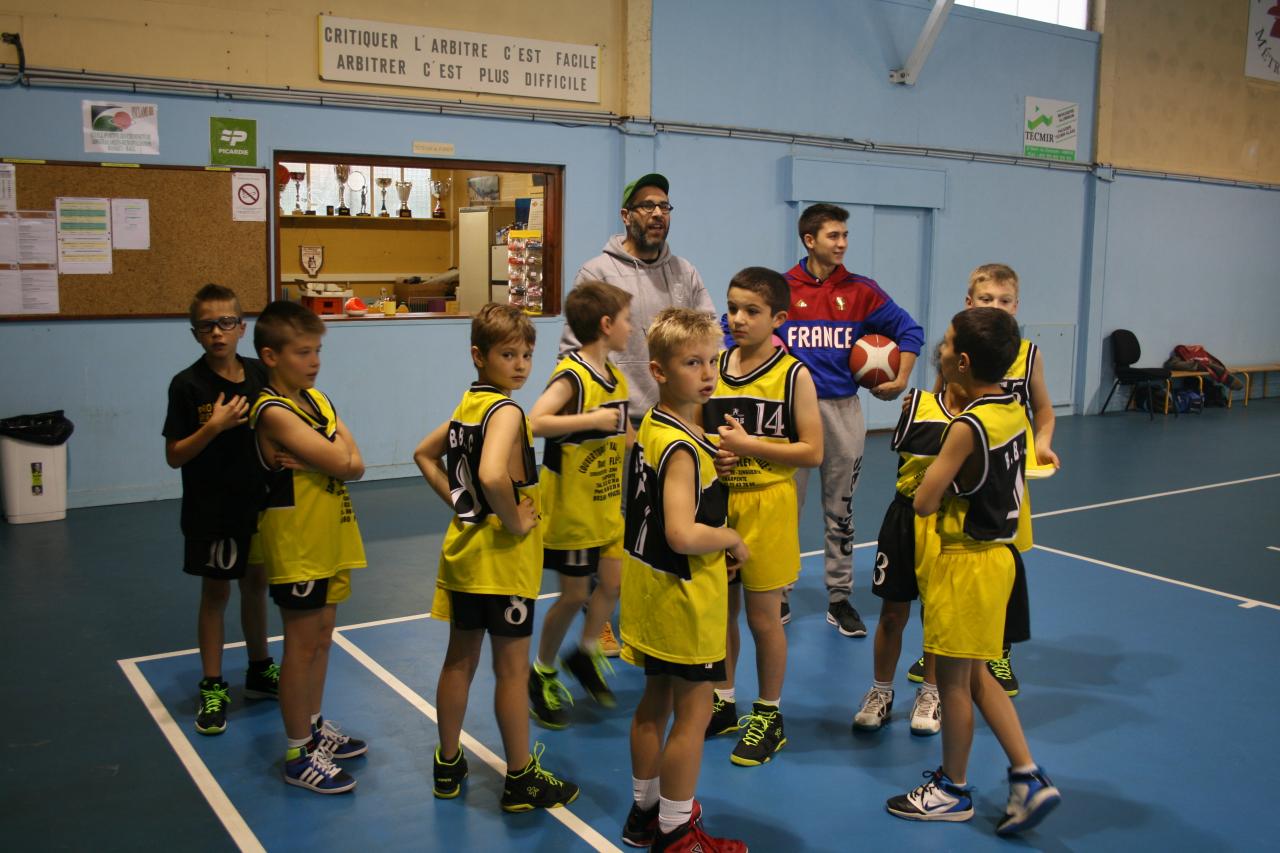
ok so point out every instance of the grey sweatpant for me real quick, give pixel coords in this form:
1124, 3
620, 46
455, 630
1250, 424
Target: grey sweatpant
844, 435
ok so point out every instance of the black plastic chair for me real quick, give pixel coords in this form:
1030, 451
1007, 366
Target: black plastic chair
1124, 352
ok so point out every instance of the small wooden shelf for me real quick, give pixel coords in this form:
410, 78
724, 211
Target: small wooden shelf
393, 223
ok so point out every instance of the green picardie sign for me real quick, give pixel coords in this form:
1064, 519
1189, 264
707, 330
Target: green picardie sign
233, 141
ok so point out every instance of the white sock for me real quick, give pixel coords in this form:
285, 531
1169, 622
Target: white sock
928, 688
674, 813
542, 667
1024, 768
886, 686
773, 703
645, 792
730, 695
295, 743
590, 647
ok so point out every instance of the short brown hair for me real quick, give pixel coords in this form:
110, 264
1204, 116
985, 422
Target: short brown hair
994, 273
497, 322
282, 321
677, 327
589, 303
816, 214
766, 284
990, 337
212, 293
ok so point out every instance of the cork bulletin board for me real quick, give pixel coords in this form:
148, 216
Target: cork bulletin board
194, 239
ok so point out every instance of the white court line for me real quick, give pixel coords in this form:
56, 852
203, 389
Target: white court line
1153, 496
870, 544
1247, 603
1272, 548
218, 800
574, 823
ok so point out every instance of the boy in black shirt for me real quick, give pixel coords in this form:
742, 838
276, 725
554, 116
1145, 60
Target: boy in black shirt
206, 434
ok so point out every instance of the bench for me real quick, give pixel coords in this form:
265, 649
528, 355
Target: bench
1246, 371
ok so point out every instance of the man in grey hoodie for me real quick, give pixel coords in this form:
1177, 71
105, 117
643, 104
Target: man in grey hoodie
640, 262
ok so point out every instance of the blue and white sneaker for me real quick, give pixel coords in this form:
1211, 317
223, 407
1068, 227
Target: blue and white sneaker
331, 739
937, 799
1031, 797
315, 771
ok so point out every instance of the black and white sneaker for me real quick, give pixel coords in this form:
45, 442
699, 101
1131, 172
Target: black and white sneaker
937, 799
874, 712
845, 617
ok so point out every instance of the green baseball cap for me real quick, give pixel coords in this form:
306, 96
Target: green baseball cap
653, 179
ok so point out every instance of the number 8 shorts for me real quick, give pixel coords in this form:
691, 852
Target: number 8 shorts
500, 615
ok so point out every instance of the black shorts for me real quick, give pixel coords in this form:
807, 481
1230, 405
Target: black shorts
894, 577
578, 563
695, 672
500, 615
1017, 615
220, 559
305, 595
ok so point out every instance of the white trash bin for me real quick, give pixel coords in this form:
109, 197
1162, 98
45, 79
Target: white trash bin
35, 481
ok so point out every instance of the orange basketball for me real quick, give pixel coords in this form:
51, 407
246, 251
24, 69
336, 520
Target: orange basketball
874, 360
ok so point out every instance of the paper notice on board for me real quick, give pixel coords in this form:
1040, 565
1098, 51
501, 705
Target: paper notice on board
83, 216
39, 291
10, 290
8, 187
37, 237
8, 238
130, 223
248, 197
84, 255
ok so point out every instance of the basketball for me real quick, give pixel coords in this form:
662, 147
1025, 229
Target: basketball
874, 360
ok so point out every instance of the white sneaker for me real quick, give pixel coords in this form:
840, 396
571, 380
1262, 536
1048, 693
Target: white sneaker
874, 713
926, 713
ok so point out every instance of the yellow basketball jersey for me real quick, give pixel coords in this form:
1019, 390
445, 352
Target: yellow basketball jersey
308, 530
1017, 381
479, 554
582, 472
918, 437
763, 401
675, 607
989, 510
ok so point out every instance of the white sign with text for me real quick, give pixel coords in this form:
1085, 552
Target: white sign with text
359, 51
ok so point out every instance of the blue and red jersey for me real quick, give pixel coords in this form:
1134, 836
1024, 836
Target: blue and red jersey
827, 317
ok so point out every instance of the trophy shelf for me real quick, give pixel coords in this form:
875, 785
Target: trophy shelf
394, 223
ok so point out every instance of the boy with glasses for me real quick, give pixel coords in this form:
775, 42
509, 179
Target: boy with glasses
207, 436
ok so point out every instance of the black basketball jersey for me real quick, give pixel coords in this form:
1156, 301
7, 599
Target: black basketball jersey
986, 508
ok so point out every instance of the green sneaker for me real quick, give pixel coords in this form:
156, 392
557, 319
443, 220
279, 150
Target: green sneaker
589, 669
535, 788
724, 718
547, 697
916, 673
262, 683
762, 736
1002, 670
448, 776
211, 719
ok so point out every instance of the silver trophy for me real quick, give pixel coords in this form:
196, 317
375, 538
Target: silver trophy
439, 189
403, 188
342, 172
383, 184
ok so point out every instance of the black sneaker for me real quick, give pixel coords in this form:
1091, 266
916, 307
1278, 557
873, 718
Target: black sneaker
211, 718
641, 826
448, 777
547, 698
263, 683
845, 617
589, 670
535, 788
786, 612
1002, 669
724, 717
916, 673
762, 738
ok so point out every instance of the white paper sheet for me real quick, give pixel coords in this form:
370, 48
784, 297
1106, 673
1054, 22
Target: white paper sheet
130, 223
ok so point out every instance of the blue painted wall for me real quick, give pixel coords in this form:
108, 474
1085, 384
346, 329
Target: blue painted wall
1092, 255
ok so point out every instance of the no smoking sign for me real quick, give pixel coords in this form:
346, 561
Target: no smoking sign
248, 189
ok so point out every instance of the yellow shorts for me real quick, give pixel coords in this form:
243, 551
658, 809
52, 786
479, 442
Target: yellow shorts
968, 595
766, 519
339, 587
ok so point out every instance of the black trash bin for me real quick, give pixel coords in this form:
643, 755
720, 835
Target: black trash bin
33, 460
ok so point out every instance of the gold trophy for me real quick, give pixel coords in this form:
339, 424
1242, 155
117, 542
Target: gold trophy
403, 188
383, 184
439, 189
342, 172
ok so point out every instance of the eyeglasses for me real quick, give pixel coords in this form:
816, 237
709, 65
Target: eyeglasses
204, 327
649, 206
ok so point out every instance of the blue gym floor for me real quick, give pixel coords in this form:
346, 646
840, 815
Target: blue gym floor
1155, 594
